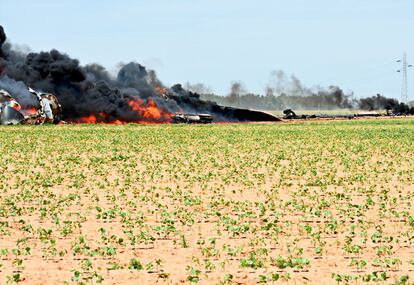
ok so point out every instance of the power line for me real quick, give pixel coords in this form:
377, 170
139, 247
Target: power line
404, 84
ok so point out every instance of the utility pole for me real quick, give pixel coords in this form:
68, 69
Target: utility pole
404, 85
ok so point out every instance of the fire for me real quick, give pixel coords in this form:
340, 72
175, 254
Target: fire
29, 111
15, 105
117, 122
152, 111
146, 113
149, 113
91, 119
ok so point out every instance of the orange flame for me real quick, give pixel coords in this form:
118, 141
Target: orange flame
29, 111
147, 113
150, 113
91, 119
15, 106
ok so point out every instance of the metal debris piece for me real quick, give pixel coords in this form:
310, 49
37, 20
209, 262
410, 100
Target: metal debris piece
192, 118
10, 116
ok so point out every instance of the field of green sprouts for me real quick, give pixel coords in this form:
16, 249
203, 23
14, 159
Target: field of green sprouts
310, 202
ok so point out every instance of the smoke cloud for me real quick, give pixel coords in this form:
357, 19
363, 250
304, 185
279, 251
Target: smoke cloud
380, 102
2, 40
287, 92
134, 95
19, 91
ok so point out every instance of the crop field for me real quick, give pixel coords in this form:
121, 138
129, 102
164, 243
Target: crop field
327, 202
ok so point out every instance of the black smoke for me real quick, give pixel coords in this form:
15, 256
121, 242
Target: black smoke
191, 102
2, 40
90, 89
379, 102
19, 91
81, 90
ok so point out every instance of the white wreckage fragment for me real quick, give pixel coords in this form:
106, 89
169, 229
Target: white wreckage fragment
191, 118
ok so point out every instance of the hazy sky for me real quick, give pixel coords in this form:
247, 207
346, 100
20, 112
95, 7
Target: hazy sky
350, 43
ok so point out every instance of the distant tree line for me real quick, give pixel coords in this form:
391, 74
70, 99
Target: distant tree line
287, 92
335, 99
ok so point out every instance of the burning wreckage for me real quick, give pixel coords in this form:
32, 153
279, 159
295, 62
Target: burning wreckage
89, 94
48, 109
